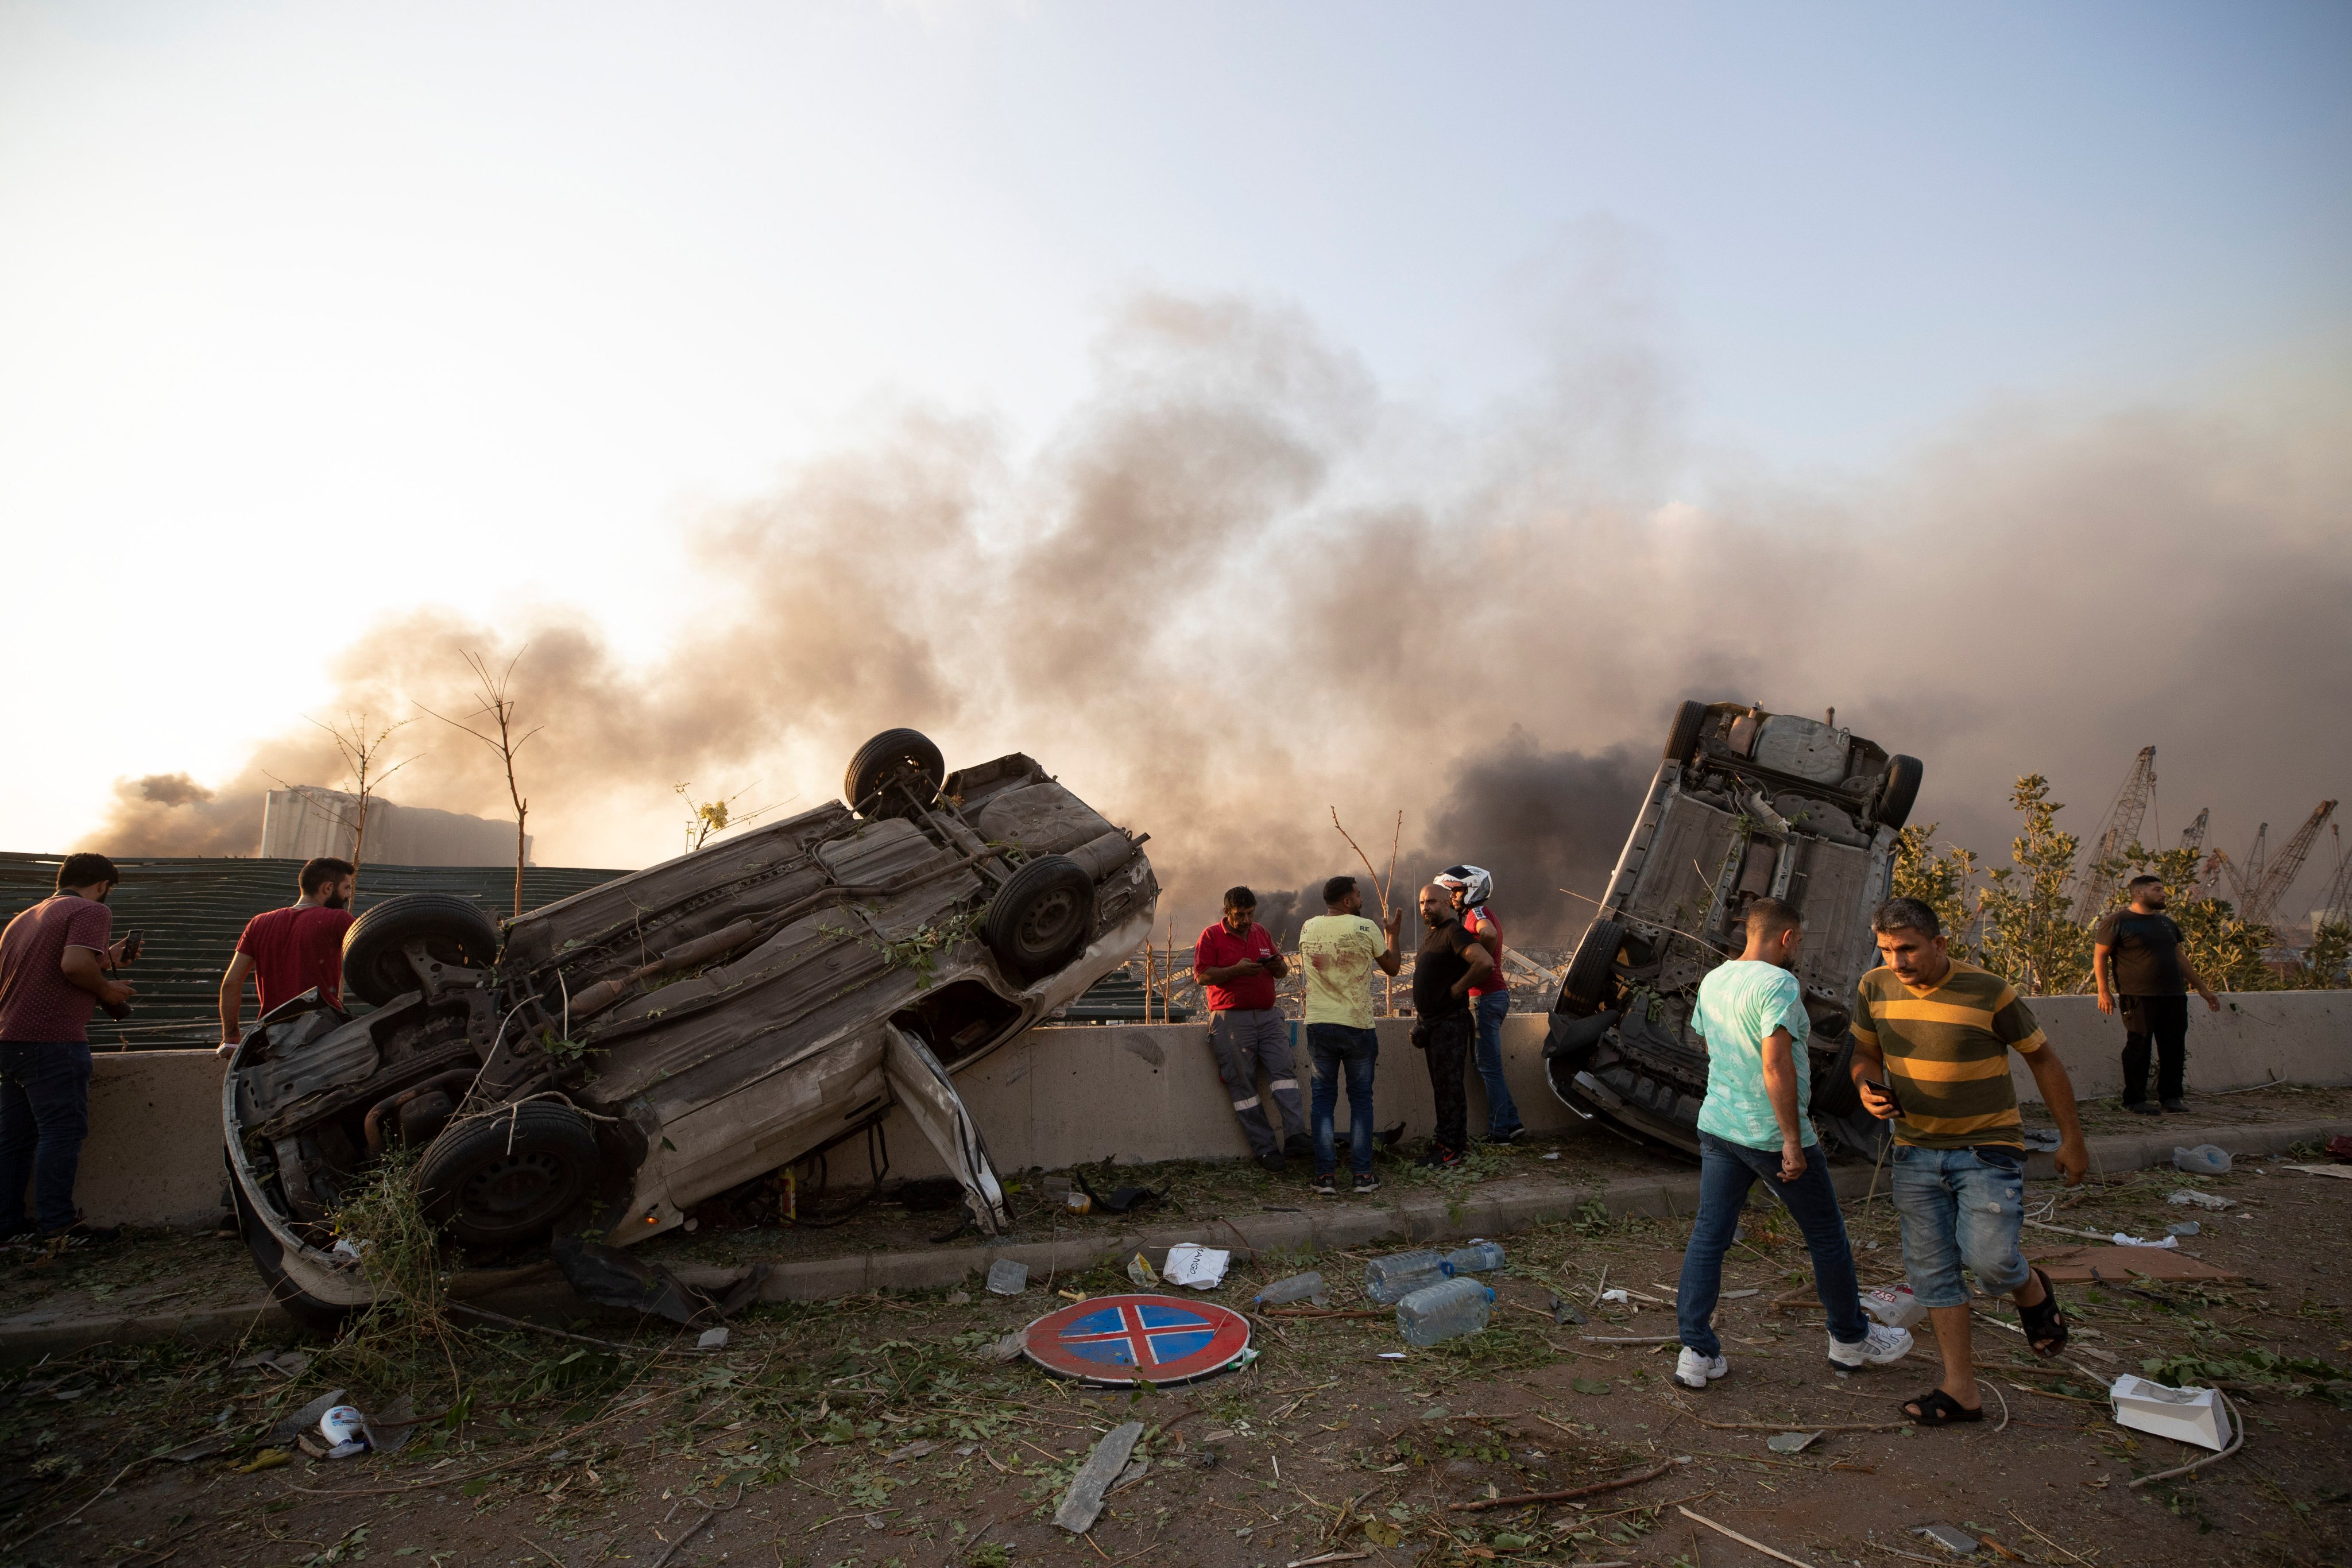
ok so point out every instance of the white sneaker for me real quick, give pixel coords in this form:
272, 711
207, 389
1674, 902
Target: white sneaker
1693, 1370
1876, 1348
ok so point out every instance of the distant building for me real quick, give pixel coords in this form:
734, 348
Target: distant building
301, 822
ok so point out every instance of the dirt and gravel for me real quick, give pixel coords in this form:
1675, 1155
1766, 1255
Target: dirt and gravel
875, 1432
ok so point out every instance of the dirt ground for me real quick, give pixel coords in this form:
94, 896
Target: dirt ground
875, 1432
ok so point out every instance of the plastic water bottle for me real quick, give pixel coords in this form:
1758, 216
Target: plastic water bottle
1476, 1258
1297, 1288
1391, 1278
1447, 1310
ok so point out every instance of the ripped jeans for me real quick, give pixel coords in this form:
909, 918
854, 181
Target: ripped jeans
1960, 1207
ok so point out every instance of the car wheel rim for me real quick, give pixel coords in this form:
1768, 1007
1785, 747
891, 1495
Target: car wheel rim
1048, 922
518, 1189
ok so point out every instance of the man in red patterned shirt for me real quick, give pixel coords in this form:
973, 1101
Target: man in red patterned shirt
55, 959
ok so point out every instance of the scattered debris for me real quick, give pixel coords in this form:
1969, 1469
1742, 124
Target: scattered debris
712, 1339
1447, 1310
1007, 1346
914, 1450
612, 1278
1391, 1280
1297, 1288
345, 1432
1008, 1277
1957, 1543
1744, 1541
2191, 1196
1140, 1270
1792, 1442
267, 1459
2321, 1170
1565, 1314
304, 1421
2123, 1238
2184, 1414
2205, 1159
1201, 1268
285, 1363
1893, 1305
1121, 1201
1084, 1501
959, 1298
1524, 1500
201, 1448
2183, 1227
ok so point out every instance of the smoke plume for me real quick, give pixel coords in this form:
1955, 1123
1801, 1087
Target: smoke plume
1240, 586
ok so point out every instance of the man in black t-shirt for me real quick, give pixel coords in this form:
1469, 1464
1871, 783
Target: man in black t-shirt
1450, 960
2136, 957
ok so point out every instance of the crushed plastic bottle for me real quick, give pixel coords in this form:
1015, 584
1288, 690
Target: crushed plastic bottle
2205, 1159
1297, 1288
1447, 1310
1479, 1257
1391, 1278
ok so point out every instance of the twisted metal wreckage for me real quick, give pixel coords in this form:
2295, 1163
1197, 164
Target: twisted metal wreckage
609, 1061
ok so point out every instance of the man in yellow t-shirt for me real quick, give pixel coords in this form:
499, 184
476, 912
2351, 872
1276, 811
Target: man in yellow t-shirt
1339, 950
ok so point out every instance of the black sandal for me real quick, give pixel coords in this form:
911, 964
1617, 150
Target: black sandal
1938, 1408
2045, 1322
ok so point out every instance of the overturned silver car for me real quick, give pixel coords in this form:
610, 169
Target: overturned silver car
602, 1064
1745, 804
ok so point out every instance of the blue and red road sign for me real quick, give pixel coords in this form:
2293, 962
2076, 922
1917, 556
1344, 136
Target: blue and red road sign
1128, 1339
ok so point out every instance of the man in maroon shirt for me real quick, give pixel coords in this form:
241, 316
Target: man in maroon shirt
1237, 963
289, 951
54, 959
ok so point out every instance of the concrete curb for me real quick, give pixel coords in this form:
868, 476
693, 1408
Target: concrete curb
1498, 1212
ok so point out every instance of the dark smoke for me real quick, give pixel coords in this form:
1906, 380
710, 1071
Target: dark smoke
1239, 588
1539, 822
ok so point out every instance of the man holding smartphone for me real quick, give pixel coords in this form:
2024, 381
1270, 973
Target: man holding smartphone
56, 960
1755, 1125
1237, 963
1937, 1034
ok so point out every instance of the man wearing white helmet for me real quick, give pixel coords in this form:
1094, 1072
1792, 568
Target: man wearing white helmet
1490, 999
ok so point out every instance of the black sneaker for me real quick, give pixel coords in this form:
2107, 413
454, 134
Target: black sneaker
2142, 1107
1440, 1158
1272, 1160
1298, 1146
1367, 1184
1327, 1186
22, 1231
2176, 1104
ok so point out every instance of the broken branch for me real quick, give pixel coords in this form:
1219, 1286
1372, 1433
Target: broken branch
1525, 1499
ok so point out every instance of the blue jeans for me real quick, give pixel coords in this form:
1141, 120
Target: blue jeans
1960, 1205
1502, 1112
44, 1116
1725, 1171
1334, 1046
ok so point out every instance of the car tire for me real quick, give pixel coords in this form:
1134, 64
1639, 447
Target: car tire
1040, 917
1834, 1094
891, 754
1586, 984
1899, 790
455, 932
504, 1179
1682, 739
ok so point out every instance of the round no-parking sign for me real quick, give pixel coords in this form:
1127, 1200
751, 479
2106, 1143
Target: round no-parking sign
1129, 1339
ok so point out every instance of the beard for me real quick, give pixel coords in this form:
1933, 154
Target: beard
335, 901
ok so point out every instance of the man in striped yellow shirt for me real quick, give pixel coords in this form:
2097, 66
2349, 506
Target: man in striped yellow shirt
1940, 1031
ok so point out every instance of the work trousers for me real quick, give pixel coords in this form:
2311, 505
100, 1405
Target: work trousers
44, 1116
1446, 1039
1502, 1113
1725, 1171
2163, 1023
1247, 1038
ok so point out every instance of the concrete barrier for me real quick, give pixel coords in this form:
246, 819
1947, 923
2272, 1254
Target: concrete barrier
1140, 1093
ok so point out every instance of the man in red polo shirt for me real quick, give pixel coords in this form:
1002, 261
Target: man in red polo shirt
1237, 963
289, 951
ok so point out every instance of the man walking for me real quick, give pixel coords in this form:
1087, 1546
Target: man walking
1754, 1123
1941, 1032
54, 964
2136, 955
1237, 963
1490, 999
1338, 949
1450, 962
291, 950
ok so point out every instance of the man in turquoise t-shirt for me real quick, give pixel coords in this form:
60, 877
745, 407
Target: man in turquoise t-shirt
1753, 1124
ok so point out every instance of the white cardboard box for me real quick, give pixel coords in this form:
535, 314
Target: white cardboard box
2185, 1415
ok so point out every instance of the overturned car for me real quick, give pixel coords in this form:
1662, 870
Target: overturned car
601, 1065
1745, 804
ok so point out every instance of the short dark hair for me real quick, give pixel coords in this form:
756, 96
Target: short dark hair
1337, 888
1771, 917
85, 869
1905, 915
321, 870
1240, 898
2142, 881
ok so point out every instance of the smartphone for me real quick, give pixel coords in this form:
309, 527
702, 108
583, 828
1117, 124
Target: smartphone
132, 943
1887, 1089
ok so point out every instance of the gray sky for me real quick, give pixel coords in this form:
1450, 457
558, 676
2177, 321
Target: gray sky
480, 306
